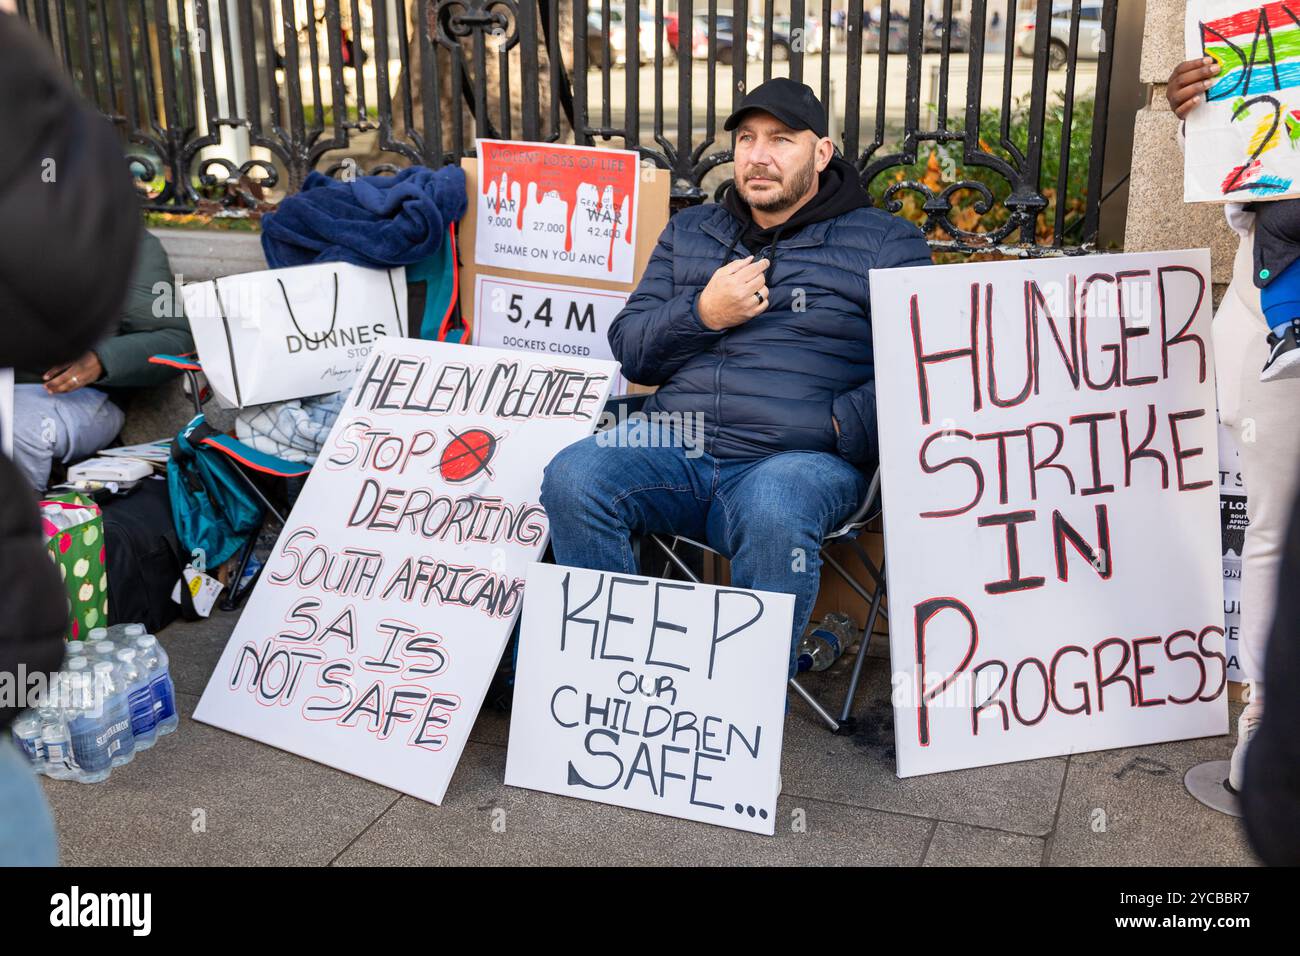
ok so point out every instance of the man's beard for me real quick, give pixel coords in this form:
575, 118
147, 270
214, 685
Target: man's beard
794, 190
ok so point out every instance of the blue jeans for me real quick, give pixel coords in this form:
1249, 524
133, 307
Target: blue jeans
26, 829
768, 515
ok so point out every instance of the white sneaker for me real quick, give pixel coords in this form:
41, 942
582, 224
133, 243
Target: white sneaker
1283, 354
1247, 724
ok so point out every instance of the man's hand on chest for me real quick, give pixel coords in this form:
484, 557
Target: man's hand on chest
735, 294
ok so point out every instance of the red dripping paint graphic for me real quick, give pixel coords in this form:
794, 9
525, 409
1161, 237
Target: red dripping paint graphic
562, 171
467, 454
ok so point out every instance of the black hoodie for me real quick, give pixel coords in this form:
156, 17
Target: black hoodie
65, 256
840, 191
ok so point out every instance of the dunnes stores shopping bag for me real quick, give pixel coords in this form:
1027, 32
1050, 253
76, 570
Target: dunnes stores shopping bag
74, 529
290, 333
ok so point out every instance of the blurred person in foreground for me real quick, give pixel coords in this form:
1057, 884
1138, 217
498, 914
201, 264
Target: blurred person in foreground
69, 223
1270, 799
1256, 334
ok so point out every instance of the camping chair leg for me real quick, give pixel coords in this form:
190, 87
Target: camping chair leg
675, 558
874, 600
847, 722
235, 594
811, 701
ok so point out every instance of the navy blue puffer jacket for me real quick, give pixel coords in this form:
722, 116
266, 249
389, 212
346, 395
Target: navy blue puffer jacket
773, 383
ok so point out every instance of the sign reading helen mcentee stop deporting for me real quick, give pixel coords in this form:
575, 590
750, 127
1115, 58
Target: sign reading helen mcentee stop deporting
1049, 451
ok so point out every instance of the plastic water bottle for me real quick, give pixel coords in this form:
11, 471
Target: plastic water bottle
27, 735
826, 642
139, 695
117, 712
56, 749
102, 650
73, 649
88, 733
153, 659
59, 764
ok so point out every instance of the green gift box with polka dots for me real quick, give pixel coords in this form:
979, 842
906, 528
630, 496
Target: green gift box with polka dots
74, 528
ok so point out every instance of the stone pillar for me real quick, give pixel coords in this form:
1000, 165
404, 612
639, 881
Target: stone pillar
1157, 216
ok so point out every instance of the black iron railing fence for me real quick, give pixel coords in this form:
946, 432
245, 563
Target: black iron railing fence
231, 103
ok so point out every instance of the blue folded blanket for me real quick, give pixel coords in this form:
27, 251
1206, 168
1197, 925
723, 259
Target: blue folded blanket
376, 221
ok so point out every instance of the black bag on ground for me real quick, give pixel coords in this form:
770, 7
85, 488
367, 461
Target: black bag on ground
142, 557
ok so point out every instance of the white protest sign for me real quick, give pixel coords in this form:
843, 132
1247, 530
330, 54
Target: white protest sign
1233, 521
7, 411
1049, 451
664, 696
280, 334
385, 605
543, 317
565, 210
1242, 139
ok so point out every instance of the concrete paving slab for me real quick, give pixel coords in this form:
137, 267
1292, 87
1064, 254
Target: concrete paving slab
955, 844
1130, 808
484, 822
858, 769
251, 805
194, 647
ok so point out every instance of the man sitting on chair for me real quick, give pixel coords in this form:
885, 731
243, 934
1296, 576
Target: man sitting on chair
753, 318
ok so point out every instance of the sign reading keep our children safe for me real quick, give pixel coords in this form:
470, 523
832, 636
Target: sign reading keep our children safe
564, 210
1049, 452
385, 606
665, 696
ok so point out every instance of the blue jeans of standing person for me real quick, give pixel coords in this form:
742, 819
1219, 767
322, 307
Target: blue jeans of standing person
26, 829
768, 515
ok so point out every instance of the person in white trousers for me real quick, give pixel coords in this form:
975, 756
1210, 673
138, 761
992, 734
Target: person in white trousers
1262, 418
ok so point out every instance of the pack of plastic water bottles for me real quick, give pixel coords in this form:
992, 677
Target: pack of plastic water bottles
112, 699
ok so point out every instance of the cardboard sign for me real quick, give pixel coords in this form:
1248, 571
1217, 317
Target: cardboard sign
568, 210
556, 320
1233, 522
1049, 451
664, 696
385, 606
1242, 140
281, 334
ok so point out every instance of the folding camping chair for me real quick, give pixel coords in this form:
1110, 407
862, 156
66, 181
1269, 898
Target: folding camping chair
848, 533
245, 460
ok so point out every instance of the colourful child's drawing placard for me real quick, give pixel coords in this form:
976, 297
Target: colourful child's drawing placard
385, 606
1243, 141
664, 696
1049, 460
564, 210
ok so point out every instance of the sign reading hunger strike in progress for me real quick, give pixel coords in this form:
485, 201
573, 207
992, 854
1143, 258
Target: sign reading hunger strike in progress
385, 605
1049, 451
664, 696
563, 210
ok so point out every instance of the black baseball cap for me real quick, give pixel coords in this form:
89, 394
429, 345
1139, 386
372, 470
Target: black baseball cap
794, 104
